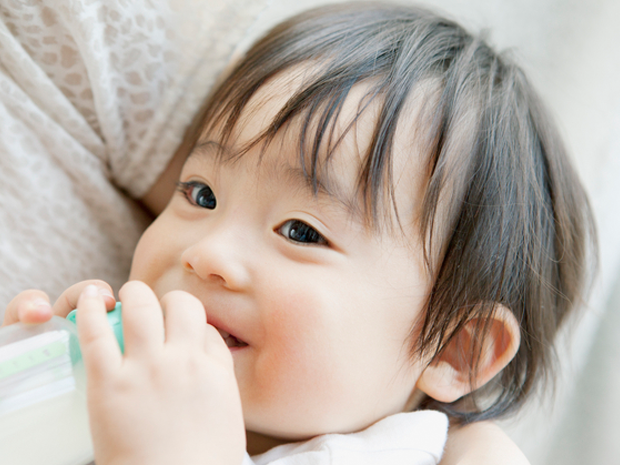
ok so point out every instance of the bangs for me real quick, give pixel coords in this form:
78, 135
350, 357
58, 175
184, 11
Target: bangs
312, 126
332, 59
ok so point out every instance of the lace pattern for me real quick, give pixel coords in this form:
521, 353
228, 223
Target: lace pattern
94, 98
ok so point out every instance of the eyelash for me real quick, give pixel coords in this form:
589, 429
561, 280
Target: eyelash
187, 189
317, 238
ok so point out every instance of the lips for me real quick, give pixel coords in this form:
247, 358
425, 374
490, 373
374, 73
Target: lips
223, 325
230, 340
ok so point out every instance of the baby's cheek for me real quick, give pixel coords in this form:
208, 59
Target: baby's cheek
298, 349
298, 374
156, 254
146, 257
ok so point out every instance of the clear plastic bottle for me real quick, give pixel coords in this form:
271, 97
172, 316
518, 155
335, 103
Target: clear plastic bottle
43, 414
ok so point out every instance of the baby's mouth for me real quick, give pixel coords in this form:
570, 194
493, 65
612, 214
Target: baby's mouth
230, 340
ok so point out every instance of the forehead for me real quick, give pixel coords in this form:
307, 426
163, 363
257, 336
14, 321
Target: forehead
338, 164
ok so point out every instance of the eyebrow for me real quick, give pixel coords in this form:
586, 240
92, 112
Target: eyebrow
297, 175
202, 149
314, 186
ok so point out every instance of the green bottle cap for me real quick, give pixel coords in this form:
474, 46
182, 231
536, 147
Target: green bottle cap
115, 320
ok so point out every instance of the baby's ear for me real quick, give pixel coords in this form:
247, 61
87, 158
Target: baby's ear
448, 376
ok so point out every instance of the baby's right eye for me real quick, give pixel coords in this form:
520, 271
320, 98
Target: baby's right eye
198, 193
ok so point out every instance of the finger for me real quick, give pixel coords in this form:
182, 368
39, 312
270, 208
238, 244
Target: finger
215, 345
143, 321
68, 300
185, 319
32, 306
100, 350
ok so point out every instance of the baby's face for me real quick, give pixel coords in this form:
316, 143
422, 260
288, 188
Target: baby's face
317, 309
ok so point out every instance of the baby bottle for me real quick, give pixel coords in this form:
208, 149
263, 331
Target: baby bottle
43, 415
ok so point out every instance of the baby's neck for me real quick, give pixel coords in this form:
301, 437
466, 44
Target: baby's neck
258, 443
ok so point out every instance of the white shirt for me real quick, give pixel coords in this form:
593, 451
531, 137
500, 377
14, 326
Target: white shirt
415, 438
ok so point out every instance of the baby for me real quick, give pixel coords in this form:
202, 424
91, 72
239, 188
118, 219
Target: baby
377, 229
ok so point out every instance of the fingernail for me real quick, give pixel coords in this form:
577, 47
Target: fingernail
90, 291
106, 294
35, 310
41, 305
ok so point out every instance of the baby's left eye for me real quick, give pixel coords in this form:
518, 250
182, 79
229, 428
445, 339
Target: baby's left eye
298, 231
198, 194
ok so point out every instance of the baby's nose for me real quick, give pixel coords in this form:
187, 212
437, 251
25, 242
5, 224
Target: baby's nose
219, 259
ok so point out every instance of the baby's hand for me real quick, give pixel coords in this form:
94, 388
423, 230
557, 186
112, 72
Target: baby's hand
166, 400
33, 306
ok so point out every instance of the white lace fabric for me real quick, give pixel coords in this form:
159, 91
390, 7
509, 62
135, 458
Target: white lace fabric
94, 98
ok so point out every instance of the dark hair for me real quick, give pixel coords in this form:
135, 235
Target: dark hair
502, 206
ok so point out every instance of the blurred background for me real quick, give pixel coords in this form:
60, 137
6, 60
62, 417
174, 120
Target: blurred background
569, 48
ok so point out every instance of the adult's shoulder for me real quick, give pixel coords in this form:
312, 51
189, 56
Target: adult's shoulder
481, 443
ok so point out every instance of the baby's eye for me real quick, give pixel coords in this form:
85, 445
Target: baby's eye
198, 194
298, 231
